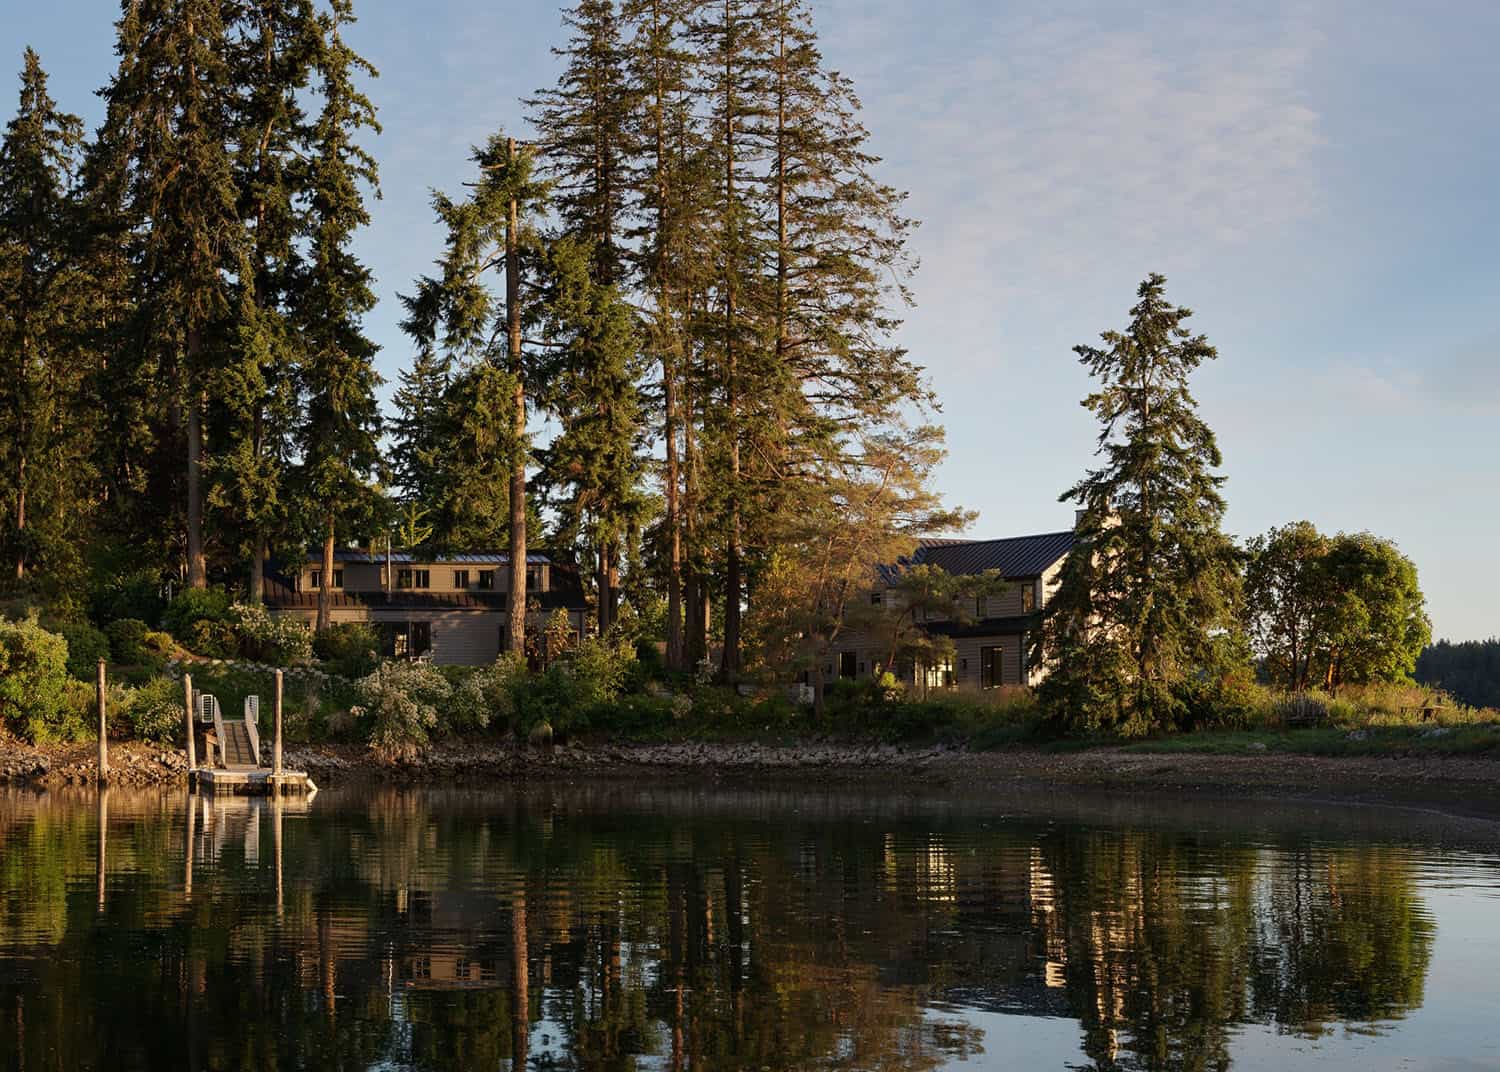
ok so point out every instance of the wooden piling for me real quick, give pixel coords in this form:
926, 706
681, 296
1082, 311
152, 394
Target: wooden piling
276, 746
192, 747
103, 728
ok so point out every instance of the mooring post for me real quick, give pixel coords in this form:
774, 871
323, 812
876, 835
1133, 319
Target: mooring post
192, 748
103, 730
276, 745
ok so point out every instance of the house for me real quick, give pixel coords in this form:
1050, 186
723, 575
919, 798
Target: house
991, 643
450, 608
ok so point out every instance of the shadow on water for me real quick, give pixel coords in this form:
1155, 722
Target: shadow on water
605, 926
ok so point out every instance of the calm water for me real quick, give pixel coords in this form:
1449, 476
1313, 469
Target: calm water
663, 927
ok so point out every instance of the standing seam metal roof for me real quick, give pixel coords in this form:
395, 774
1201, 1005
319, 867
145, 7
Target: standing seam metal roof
1015, 557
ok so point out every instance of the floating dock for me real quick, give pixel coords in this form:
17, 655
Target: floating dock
254, 781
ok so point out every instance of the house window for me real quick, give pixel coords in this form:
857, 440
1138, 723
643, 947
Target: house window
403, 640
940, 673
317, 579
534, 579
486, 580
875, 599
1028, 598
991, 668
848, 664
413, 578
460, 578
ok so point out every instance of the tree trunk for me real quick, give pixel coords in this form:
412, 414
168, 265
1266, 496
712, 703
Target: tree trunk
733, 581
325, 589
601, 580
515, 626
197, 570
258, 569
21, 519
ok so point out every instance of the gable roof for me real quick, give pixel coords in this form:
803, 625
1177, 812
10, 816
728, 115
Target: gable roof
1015, 557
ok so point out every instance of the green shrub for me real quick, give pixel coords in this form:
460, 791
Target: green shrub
350, 649
488, 695
155, 710
270, 639
127, 642
212, 640
193, 605
631, 715
126, 594
33, 681
398, 705
86, 646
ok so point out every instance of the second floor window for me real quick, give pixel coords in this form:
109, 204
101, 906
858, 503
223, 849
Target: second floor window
317, 579
413, 578
875, 599
1028, 598
486, 580
460, 579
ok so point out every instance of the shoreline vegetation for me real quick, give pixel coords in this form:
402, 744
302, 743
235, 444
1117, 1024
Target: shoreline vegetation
1390, 766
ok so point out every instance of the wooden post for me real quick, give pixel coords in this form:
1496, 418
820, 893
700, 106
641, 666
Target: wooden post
103, 729
192, 747
187, 869
276, 745
101, 861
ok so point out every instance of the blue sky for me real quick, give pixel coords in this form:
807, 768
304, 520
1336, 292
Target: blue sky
1319, 181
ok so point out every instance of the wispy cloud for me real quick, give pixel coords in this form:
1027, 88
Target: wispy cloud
1048, 132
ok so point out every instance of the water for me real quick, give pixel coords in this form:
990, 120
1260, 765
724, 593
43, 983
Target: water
657, 926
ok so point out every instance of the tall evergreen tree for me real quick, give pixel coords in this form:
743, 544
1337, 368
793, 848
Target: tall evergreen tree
42, 449
670, 177
273, 46
594, 464
492, 231
1151, 581
338, 439
169, 111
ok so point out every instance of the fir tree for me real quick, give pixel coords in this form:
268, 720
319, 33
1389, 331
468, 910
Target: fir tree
1151, 581
338, 439
456, 312
169, 111
595, 463
42, 451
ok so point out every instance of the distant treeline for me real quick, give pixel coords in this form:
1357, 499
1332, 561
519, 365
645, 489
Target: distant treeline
1470, 670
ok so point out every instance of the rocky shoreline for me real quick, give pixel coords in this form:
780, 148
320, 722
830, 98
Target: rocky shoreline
1471, 782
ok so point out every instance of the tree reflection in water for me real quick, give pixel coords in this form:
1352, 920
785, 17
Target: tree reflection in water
591, 928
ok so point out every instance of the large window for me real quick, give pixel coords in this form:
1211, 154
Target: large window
940, 673
991, 667
848, 664
413, 578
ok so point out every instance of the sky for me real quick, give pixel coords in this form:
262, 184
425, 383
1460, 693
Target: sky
1319, 181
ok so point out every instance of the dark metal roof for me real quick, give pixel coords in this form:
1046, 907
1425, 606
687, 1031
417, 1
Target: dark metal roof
1018, 558
403, 558
564, 591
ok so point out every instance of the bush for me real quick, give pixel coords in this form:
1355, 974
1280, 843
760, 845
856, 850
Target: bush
86, 646
350, 649
155, 710
269, 639
127, 642
131, 595
212, 640
193, 605
489, 694
399, 702
33, 681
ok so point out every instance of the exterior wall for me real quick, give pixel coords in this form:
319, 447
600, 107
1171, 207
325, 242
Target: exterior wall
370, 576
459, 637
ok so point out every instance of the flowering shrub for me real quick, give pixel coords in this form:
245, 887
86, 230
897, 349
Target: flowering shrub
282, 641
399, 702
155, 710
489, 694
